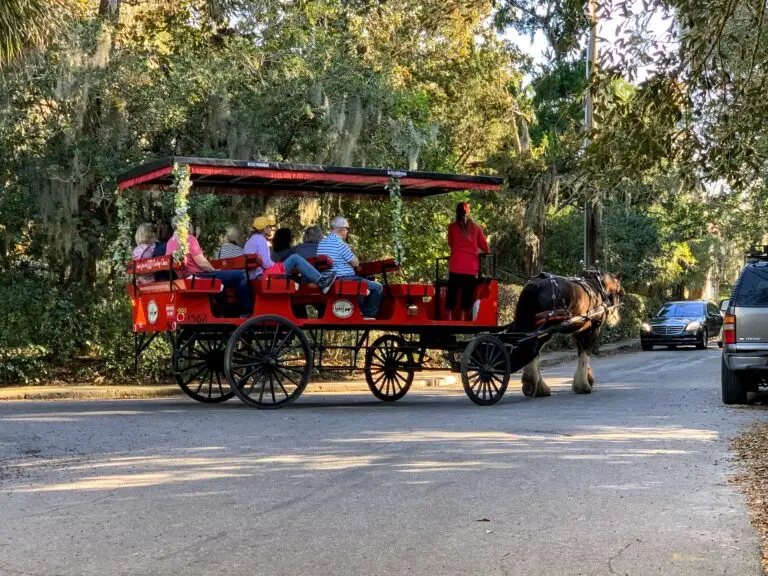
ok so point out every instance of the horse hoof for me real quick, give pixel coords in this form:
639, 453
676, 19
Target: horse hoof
527, 390
543, 393
583, 390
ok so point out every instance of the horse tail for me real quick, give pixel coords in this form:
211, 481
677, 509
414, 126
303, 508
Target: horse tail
527, 307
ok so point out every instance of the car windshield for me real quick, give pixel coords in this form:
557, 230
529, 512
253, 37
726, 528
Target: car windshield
681, 310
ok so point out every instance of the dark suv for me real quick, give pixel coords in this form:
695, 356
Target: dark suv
745, 335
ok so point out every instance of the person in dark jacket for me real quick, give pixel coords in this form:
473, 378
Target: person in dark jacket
281, 244
308, 248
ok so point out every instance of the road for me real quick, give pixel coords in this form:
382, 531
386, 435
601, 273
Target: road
632, 479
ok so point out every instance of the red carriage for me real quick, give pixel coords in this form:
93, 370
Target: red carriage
267, 359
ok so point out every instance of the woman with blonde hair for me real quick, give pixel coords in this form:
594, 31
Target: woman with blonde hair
233, 242
145, 246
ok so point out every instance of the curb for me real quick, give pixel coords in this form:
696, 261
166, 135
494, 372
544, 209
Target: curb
441, 380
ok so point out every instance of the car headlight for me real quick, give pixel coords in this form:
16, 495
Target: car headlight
645, 327
692, 326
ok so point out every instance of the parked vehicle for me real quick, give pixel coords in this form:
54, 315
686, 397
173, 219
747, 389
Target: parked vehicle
745, 333
723, 309
682, 323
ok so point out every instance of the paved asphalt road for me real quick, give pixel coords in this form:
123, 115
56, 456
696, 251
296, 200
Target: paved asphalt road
632, 479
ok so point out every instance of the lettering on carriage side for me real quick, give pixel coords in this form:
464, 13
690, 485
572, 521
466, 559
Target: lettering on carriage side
181, 314
258, 164
396, 173
170, 311
342, 309
152, 312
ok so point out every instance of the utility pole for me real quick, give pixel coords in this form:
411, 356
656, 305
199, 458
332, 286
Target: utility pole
591, 200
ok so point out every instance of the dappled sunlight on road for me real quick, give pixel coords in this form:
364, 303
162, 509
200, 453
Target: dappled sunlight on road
600, 433
398, 451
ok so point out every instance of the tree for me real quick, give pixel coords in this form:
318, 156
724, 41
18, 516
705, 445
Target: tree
26, 24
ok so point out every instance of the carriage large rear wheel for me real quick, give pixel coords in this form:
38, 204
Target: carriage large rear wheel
389, 368
485, 367
268, 362
198, 365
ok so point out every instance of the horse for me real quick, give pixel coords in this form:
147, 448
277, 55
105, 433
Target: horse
577, 306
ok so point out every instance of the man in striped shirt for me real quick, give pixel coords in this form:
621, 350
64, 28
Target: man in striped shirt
345, 262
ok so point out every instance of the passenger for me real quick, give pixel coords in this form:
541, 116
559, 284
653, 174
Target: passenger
345, 262
145, 245
257, 244
163, 232
233, 242
281, 244
197, 265
308, 248
465, 239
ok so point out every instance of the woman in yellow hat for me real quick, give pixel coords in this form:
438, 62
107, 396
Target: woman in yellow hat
258, 244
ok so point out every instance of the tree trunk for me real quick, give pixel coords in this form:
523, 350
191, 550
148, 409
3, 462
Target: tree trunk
535, 223
110, 10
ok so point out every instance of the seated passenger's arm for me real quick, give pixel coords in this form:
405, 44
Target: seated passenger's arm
354, 262
202, 261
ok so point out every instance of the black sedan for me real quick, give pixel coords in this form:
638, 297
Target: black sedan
682, 323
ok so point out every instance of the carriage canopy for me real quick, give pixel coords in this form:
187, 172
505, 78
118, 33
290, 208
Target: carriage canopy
275, 178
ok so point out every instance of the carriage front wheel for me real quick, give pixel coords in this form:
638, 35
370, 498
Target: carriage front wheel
485, 368
389, 368
268, 362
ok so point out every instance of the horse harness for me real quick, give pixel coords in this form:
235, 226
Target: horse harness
562, 314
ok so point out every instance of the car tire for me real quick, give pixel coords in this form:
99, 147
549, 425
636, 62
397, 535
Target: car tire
646, 346
702, 344
733, 385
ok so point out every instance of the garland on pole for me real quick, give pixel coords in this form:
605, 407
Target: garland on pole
182, 183
396, 206
122, 248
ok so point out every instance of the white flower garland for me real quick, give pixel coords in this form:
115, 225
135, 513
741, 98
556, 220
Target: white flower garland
182, 182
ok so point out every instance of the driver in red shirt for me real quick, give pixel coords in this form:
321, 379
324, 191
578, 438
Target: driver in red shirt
466, 240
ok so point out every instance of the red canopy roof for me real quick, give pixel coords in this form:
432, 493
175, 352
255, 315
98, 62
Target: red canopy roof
273, 178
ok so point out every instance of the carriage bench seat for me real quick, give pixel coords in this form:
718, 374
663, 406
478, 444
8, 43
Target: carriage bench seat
375, 267
412, 290
148, 266
321, 263
274, 284
245, 262
190, 285
311, 293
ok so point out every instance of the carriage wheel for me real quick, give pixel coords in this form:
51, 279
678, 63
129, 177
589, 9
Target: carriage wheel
485, 368
198, 364
389, 368
268, 362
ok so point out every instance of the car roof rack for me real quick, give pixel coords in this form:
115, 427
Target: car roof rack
757, 255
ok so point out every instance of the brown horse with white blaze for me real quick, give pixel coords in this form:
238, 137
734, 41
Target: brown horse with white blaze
577, 306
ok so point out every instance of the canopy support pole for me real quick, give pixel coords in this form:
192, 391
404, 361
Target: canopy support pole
396, 210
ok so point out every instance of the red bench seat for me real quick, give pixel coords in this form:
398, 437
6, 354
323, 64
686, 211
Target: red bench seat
411, 290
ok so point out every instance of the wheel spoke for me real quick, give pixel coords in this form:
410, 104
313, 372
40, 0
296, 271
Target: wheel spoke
272, 388
202, 381
218, 380
196, 375
242, 379
288, 376
280, 383
190, 367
